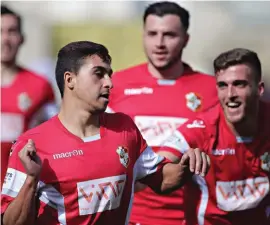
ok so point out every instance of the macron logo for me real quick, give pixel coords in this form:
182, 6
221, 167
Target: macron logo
138, 91
67, 154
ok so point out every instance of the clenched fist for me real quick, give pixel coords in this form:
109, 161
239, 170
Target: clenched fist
30, 160
198, 161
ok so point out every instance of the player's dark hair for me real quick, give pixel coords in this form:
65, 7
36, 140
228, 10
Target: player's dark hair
164, 8
71, 58
239, 56
7, 11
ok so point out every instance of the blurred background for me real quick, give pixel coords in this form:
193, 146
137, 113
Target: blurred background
216, 26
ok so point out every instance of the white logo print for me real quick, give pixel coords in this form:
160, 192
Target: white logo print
138, 91
67, 154
196, 124
100, 195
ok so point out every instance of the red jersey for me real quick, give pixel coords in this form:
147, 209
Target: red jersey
85, 181
236, 188
158, 107
24, 102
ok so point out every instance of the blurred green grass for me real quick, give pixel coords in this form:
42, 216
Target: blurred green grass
124, 40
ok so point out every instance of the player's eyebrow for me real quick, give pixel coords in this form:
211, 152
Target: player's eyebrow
103, 69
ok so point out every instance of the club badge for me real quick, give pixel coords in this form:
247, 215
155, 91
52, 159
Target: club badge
24, 101
194, 102
123, 156
265, 161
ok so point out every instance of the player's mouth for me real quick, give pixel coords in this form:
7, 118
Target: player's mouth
233, 107
161, 54
105, 96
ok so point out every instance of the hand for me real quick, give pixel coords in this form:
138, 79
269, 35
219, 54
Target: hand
198, 161
30, 160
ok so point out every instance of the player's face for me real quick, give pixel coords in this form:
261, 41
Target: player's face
238, 93
164, 39
11, 38
93, 83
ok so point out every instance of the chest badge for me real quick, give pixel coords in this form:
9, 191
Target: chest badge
24, 101
265, 161
194, 102
123, 155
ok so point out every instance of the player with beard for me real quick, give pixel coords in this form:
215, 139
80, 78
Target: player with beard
160, 95
27, 99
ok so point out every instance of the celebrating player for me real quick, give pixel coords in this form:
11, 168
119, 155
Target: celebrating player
236, 135
160, 95
79, 167
26, 98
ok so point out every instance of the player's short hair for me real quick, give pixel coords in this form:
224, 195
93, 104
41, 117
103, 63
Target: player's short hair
239, 56
164, 8
71, 58
7, 11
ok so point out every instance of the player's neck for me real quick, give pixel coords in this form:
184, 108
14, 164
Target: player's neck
247, 128
171, 73
78, 120
8, 73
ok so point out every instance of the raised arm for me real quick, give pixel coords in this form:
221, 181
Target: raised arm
23, 209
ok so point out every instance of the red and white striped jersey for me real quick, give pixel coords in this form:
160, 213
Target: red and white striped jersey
86, 181
236, 188
158, 107
27, 101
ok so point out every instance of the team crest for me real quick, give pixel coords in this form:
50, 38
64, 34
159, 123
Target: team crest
265, 161
24, 101
123, 156
193, 101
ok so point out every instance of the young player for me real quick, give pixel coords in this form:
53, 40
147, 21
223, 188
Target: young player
236, 135
80, 166
27, 99
160, 95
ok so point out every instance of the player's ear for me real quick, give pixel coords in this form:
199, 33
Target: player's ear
261, 88
22, 39
186, 39
70, 79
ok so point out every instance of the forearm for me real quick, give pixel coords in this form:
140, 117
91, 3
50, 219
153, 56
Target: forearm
174, 177
22, 211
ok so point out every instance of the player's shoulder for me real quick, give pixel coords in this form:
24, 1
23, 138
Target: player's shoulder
118, 121
133, 72
33, 77
205, 119
41, 131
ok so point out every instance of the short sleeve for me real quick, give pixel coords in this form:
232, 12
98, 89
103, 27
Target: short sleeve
191, 134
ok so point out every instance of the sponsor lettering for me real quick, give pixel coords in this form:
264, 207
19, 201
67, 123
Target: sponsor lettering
67, 154
100, 194
138, 91
157, 129
227, 151
241, 194
196, 124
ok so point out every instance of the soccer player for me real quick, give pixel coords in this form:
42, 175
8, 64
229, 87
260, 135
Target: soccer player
80, 166
236, 135
160, 95
27, 99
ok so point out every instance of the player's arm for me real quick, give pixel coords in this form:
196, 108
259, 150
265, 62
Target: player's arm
182, 149
22, 210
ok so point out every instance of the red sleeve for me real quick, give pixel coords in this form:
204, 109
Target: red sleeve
15, 176
14, 180
191, 134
